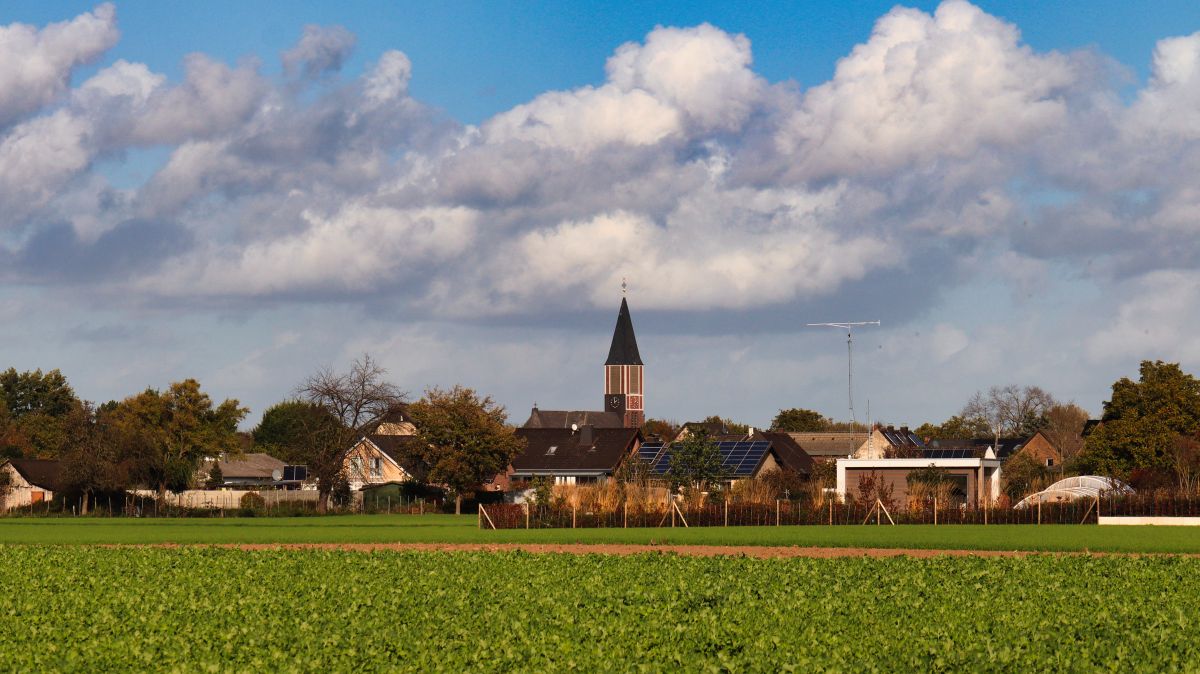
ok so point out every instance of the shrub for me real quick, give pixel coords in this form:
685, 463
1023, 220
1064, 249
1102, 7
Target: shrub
252, 501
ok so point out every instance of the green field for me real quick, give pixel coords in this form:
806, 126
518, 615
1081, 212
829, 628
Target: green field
208, 609
462, 529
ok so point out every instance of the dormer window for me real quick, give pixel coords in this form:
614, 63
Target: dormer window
552, 450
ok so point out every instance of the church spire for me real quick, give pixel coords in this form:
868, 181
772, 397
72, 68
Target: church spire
624, 349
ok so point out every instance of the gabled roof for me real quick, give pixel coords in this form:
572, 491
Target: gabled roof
44, 473
399, 448
624, 349
561, 449
565, 419
788, 452
830, 445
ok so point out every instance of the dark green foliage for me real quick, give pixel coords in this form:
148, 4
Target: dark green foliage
729, 425
954, 428
1143, 420
285, 429
1023, 476
797, 420
582, 613
695, 463
464, 438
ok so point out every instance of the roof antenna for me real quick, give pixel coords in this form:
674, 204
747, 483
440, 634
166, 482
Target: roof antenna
849, 328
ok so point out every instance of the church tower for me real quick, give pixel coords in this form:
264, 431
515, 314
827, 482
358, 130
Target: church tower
623, 380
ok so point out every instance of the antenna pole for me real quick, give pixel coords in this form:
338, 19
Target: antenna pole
849, 328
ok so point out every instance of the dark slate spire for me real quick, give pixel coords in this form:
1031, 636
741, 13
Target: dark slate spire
624, 349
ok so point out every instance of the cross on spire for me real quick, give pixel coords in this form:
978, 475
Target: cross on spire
624, 287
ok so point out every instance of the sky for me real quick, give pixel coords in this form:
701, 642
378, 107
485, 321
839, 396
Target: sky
245, 192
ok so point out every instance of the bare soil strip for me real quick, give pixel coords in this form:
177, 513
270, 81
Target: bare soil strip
759, 552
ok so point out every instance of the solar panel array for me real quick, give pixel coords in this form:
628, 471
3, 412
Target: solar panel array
738, 459
648, 451
951, 453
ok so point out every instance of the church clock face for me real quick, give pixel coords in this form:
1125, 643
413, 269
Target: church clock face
614, 402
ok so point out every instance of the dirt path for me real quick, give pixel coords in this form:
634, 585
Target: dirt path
760, 552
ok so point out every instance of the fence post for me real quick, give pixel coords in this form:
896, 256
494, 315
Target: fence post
831, 512
625, 518
526, 514
935, 511
776, 512
572, 517
727, 512
1039, 511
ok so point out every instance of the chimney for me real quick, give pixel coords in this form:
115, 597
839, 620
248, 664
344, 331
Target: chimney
587, 435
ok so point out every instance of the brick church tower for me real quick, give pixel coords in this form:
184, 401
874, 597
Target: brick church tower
623, 380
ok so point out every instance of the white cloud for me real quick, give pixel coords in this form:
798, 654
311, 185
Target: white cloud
36, 65
925, 87
322, 49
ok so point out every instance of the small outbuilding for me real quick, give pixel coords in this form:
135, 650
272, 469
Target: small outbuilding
29, 482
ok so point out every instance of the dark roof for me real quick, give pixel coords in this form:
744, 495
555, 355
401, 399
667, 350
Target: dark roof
624, 350
738, 459
788, 452
608, 448
44, 473
399, 448
900, 437
1008, 446
565, 418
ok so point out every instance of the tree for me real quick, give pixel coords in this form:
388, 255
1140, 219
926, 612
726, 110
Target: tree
169, 432
35, 407
695, 463
93, 464
954, 428
464, 440
662, 428
1143, 420
729, 425
1023, 476
357, 400
797, 420
282, 431
1064, 430
1009, 410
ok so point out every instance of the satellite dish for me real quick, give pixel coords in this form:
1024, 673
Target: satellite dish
574, 427
277, 475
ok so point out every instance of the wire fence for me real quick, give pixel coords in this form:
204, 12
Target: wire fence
804, 512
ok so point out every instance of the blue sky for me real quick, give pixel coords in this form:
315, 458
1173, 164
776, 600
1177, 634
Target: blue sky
458, 188
475, 59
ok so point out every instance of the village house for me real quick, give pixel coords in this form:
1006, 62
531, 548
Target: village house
748, 457
384, 455
976, 475
28, 482
252, 471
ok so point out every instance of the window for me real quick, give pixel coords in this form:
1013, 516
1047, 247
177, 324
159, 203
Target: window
356, 465
376, 467
614, 379
635, 379
552, 450
1049, 463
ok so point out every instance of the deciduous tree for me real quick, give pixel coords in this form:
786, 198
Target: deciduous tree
695, 464
464, 439
168, 432
356, 399
1143, 420
797, 420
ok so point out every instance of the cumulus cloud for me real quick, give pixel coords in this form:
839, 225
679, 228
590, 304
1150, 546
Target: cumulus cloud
321, 50
36, 64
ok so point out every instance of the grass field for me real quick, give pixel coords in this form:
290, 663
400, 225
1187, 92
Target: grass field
462, 529
206, 609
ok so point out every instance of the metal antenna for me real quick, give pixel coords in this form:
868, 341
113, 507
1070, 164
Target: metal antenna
849, 328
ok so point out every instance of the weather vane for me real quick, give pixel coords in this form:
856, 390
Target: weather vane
623, 287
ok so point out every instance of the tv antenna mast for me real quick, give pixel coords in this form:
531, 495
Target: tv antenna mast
849, 328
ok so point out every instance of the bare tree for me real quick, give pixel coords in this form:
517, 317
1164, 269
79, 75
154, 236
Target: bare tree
1010, 410
354, 401
1064, 430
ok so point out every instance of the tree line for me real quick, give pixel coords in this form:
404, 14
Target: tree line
159, 438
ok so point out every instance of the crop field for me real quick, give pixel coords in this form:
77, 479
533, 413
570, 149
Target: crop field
207, 609
463, 529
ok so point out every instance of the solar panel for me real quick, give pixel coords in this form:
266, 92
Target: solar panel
738, 458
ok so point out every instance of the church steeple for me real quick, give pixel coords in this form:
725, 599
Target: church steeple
624, 350
623, 380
